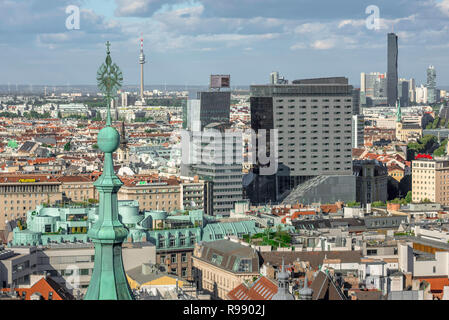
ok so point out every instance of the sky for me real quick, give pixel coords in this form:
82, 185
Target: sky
186, 41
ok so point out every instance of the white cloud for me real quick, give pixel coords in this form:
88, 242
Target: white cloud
353, 23
310, 28
298, 46
443, 6
323, 44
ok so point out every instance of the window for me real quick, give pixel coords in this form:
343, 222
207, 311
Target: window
216, 259
244, 265
50, 295
84, 272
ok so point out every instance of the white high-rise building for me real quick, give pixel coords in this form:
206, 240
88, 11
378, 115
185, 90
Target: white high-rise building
412, 88
431, 84
358, 131
363, 82
274, 77
125, 99
373, 86
421, 94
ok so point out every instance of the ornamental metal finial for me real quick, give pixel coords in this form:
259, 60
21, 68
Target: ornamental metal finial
108, 280
109, 80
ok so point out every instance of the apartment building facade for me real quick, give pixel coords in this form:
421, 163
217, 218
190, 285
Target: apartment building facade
21, 193
222, 265
430, 180
78, 188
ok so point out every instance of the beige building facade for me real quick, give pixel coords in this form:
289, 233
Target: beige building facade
160, 196
21, 193
222, 265
78, 188
430, 180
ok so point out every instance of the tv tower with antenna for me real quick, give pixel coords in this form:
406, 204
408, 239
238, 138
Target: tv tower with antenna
142, 62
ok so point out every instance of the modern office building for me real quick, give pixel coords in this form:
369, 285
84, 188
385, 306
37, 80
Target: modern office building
392, 71
431, 84
222, 168
412, 88
373, 88
356, 101
421, 94
313, 118
275, 78
209, 107
403, 91
124, 96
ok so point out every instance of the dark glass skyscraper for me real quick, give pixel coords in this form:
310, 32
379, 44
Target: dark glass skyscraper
209, 107
392, 72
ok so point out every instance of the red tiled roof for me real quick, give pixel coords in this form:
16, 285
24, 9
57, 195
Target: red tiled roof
262, 289
329, 208
43, 287
296, 214
437, 284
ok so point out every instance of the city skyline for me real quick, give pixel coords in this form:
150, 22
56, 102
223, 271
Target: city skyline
188, 41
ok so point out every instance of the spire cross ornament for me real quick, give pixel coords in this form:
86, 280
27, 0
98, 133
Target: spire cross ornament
109, 80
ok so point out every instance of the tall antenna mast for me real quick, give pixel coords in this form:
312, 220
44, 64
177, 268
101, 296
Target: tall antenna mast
142, 62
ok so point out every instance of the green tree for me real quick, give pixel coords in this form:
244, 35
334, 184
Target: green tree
377, 204
67, 146
435, 122
353, 204
408, 197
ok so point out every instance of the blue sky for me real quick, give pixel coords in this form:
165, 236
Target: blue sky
186, 41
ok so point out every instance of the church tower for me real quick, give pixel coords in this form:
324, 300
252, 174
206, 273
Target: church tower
398, 121
108, 281
305, 293
283, 286
123, 151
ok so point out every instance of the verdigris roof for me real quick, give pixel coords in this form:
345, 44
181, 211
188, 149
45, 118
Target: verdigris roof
216, 231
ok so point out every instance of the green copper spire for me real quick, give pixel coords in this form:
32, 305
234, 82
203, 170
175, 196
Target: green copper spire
398, 112
108, 280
